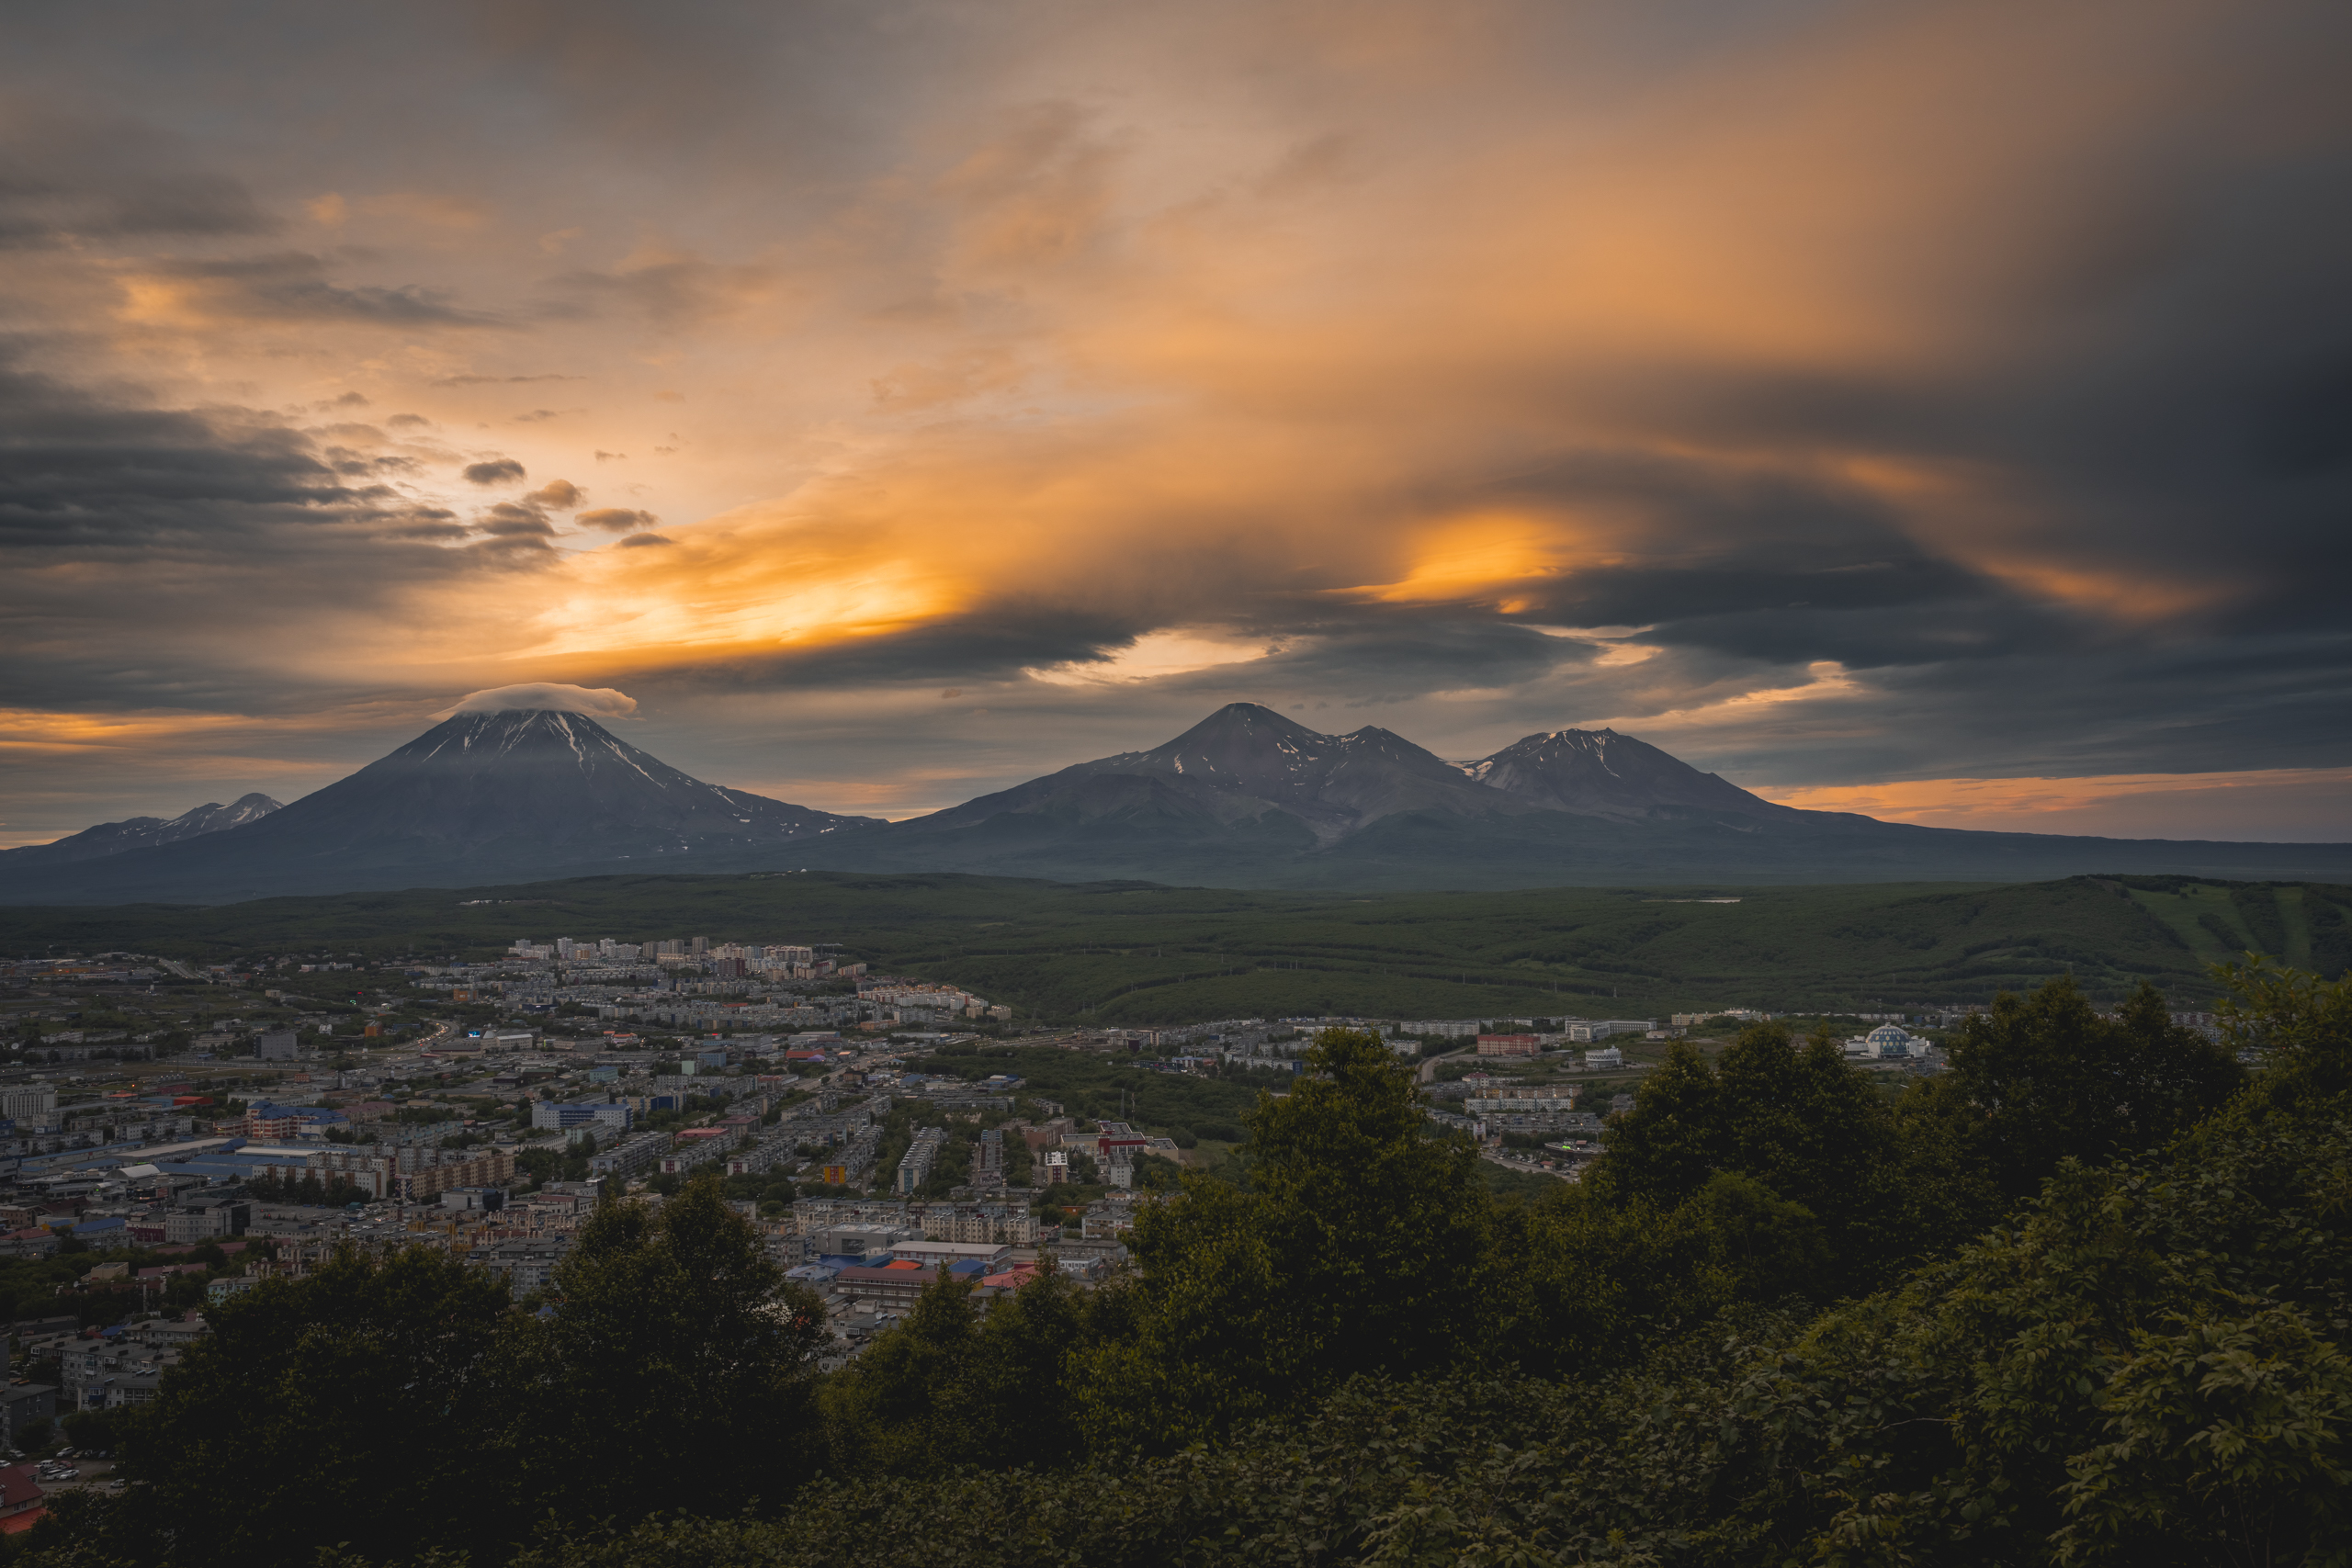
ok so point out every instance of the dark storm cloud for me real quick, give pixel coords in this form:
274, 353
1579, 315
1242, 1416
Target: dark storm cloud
161, 558
81, 471
999, 642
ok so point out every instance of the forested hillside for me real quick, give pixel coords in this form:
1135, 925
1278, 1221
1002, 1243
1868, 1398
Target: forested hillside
1139, 954
2081, 1298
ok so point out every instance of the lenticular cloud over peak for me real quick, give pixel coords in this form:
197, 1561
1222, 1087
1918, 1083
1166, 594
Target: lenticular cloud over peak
597, 702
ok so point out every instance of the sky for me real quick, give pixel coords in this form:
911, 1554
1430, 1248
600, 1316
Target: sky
1940, 410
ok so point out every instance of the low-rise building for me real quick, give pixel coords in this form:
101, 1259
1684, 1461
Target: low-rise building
21, 1405
228, 1289
204, 1218
527, 1263
22, 1503
627, 1159
932, 1254
888, 1285
1508, 1044
546, 1113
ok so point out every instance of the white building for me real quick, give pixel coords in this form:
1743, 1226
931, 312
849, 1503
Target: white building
1887, 1042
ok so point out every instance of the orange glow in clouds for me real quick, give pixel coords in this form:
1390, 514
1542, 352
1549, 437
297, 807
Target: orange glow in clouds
2115, 805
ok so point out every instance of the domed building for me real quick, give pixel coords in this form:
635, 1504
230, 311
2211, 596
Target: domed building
1885, 1042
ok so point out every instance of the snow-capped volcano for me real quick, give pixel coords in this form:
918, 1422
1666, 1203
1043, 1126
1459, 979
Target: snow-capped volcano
517, 795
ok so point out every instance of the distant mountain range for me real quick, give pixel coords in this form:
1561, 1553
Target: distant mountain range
1246, 798
141, 833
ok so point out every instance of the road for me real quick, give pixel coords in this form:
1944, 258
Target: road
86, 1472
1525, 1168
1428, 1064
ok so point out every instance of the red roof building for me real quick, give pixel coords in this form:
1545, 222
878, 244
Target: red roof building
21, 1502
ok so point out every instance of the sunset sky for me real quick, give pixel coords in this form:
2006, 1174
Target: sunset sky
1937, 409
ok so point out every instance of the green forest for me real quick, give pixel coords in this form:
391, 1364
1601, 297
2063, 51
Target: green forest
2080, 1298
1137, 954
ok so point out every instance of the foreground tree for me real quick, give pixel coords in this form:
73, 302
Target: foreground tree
1361, 1244
346, 1406
1793, 1119
674, 1372
2046, 1077
951, 1387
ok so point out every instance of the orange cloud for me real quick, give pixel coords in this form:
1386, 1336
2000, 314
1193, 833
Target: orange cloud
2125, 805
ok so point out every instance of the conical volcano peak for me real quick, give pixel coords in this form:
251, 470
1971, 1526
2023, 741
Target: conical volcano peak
502, 731
1242, 728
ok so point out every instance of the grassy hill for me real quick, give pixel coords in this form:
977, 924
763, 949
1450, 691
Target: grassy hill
1115, 953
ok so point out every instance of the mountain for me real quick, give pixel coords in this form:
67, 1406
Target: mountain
1248, 798
1244, 763
1245, 799
1598, 773
141, 832
510, 795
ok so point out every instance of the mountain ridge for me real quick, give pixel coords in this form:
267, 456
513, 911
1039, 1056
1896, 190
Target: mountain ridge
1251, 798
1246, 798
143, 832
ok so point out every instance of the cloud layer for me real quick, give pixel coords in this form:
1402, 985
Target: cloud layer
1843, 396
604, 703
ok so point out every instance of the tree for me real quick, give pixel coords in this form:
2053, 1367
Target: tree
950, 1388
1360, 1244
2046, 1077
346, 1406
2300, 1023
2228, 1440
675, 1371
1794, 1118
